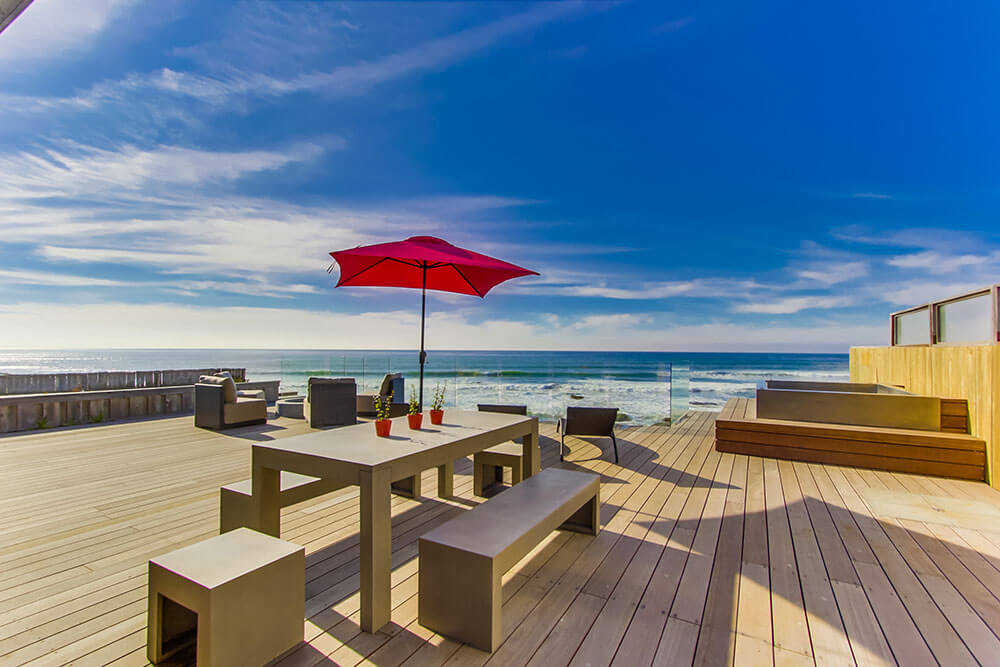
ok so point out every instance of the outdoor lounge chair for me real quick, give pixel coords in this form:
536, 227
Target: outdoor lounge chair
331, 402
218, 405
392, 383
588, 421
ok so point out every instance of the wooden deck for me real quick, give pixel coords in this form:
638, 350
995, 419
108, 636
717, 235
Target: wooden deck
704, 557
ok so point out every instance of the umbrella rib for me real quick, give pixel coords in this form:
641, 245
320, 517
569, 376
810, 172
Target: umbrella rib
469, 282
417, 264
373, 265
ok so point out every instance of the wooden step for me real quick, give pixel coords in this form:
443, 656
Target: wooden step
944, 454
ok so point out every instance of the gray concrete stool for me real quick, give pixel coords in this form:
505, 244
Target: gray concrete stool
240, 596
488, 465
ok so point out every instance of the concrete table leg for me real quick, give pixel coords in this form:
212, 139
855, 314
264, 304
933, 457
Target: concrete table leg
446, 480
531, 458
265, 501
376, 549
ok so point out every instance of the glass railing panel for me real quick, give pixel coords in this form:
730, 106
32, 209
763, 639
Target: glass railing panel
680, 391
912, 328
966, 320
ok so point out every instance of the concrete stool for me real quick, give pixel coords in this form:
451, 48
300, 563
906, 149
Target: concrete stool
488, 465
240, 595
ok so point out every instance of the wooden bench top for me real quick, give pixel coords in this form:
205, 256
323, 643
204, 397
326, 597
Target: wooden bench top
289, 481
510, 524
507, 449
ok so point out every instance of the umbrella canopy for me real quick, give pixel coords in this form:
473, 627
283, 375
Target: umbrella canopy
446, 268
424, 262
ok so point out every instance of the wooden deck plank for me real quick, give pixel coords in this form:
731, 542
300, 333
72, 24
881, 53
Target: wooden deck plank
709, 558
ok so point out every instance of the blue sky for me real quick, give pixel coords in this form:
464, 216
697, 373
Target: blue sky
771, 176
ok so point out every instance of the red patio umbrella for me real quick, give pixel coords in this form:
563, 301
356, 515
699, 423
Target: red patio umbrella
426, 262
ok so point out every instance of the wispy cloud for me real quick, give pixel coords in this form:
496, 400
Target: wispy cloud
50, 29
220, 88
794, 304
70, 169
51, 279
927, 237
939, 263
673, 26
833, 274
180, 211
870, 195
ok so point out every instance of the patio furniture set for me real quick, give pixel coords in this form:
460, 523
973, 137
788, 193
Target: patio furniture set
328, 402
240, 596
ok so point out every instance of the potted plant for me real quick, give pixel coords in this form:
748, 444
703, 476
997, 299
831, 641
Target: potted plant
415, 416
437, 405
382, 422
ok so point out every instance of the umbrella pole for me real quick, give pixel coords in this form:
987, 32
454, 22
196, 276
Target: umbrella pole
423, 315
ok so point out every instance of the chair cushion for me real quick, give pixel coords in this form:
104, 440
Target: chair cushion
244, 410
227, 383
251, 393
387, 383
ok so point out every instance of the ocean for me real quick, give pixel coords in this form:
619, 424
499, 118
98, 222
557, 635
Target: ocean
647, 387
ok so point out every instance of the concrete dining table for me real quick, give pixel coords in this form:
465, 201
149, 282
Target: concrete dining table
354, 455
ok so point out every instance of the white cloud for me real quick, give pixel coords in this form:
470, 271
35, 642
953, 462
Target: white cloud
870, 195
111, 325
75, 170
794, 304
917, 237
833, 273
938, 263
582, 284
54, 279
50, 29
221, 87
917, 292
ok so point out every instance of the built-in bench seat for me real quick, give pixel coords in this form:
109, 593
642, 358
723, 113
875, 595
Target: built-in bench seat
235, 499
943, 453
463, 560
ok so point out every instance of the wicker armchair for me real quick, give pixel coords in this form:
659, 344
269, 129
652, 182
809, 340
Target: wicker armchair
588, 421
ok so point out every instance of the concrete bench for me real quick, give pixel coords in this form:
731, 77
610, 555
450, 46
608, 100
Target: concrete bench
463, 560
488, 465
240, 597
235, 499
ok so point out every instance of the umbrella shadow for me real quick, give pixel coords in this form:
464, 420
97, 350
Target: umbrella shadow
640, 459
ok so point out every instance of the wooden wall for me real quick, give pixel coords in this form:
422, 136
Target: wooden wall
971, 372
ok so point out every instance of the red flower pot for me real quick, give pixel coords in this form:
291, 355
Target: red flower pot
382, 427
437, 416
415, 421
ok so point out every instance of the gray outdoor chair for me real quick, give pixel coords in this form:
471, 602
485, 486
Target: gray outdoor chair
588, 421
218, 405
331, 402
392, 383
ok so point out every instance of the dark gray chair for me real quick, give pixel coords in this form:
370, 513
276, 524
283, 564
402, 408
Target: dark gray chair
393, 384
588, 421
331, 402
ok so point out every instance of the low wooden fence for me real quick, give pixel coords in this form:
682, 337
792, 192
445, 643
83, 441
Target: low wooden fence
31, 411
42, 383
67, 399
